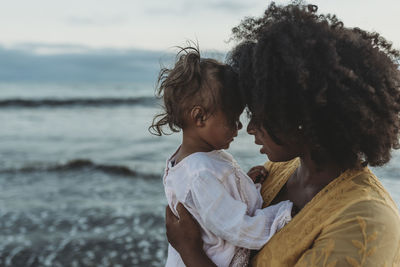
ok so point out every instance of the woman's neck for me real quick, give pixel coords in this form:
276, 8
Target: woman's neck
309, 179
311, 174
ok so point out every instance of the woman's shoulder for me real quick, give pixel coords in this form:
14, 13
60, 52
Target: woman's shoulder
363, 185
361, 195
356, 202
355, 192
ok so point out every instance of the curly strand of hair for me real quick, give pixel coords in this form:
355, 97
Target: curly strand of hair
157, 125
380, 42
171, 82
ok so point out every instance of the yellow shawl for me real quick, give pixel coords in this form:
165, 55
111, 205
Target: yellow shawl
351, 222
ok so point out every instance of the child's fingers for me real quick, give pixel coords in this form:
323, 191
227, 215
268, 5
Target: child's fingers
258, 174
262, 170
261, 180
254, 171
258, 168
256, 177
253, 168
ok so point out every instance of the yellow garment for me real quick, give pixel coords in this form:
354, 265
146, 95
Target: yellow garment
351, 222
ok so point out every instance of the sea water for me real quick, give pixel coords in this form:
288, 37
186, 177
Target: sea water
80, 174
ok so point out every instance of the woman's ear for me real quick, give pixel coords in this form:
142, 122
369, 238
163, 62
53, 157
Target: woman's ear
198, 116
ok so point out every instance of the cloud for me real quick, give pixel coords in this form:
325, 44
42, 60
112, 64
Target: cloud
188, 8
96, 20
229, 6
46, 49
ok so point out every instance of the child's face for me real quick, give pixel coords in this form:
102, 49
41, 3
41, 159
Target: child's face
218, 132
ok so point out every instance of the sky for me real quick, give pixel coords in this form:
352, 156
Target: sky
55, 26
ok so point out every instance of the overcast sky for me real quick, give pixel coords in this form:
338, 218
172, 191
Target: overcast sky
55, 25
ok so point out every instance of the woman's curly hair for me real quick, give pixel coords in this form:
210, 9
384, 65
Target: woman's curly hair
308, 79
195, 81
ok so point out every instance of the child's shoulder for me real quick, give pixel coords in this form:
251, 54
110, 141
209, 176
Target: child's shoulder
217, 161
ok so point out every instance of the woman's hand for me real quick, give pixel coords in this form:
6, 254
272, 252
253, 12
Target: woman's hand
184, 235
182, 232
258, 174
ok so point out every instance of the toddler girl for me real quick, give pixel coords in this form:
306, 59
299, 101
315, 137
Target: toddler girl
201, 98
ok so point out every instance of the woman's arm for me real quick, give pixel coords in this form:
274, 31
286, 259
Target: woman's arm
184, 235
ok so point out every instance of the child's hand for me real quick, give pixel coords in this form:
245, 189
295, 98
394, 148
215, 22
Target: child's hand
258, 174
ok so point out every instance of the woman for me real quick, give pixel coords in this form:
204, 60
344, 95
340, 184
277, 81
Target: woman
324, 103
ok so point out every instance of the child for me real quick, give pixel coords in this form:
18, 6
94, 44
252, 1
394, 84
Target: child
201, 97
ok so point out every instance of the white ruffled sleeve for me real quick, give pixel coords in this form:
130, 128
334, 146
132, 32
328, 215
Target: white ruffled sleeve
226, 217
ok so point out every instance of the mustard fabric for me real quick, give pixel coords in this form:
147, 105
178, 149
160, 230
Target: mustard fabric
351, 222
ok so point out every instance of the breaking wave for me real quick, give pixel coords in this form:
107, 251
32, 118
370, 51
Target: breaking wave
89, 102
84, 165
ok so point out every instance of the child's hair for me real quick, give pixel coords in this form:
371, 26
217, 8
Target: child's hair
195, 81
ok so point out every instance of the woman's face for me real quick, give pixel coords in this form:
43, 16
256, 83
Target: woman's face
274, 152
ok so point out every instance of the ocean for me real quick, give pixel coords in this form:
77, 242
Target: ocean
80, 174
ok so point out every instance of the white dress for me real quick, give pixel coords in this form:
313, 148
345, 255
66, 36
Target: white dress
227, 205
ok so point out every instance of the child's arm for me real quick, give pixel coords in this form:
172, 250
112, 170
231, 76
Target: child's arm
226, 217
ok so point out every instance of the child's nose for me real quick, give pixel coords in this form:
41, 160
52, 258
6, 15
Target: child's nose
239, 125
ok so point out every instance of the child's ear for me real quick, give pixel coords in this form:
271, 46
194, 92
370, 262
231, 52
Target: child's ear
198, 116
